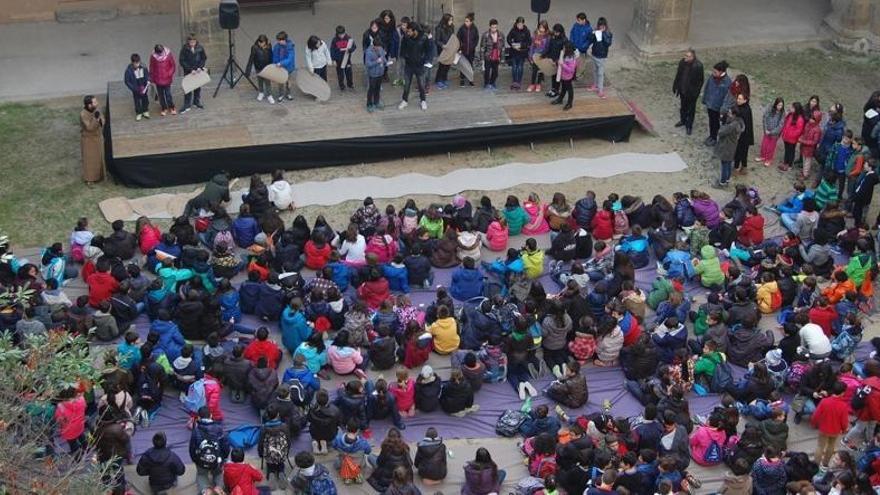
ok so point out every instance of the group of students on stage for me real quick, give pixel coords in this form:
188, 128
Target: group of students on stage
412, 46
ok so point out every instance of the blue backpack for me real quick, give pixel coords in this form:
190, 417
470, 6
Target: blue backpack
843, 345
722, 379
244, 437
713, 454
195, 397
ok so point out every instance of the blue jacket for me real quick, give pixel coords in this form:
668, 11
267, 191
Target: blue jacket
152, 260
580, 36
418, 269
794, 204
832, 134
341, 275
597, 304
305, 376
375, 61
398, 277
170, 339
678, 264
476, 327
249, 295
715, 92
637, 249
244, 230
533, 426
600, 48
314, 360
684, 213
342, 444
229, 306
670, 342
270, 302
285, 55
353, 407
466, 284
294, 329
665, 310
159, 299
134, 84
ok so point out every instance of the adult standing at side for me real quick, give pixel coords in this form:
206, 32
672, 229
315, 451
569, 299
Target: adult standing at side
414, 54
91, 124
192, 59
728, 137
687, 86
714, 96
600, 42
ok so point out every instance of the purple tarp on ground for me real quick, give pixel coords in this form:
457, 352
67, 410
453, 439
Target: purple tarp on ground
493, 399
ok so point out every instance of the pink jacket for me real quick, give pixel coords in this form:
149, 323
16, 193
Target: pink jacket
537, 223
344, 359
71, 418
384, 249
702, 439
497, 236
569, 67
810, 139
791, 132
149, 238
213, 391
162, 67
406, 396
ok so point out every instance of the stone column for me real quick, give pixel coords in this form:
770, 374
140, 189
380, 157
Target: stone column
660, 26
855, 24
201, 18
461, 8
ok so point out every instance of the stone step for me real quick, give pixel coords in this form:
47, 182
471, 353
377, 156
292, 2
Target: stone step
86, 11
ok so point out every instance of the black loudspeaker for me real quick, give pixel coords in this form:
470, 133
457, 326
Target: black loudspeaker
229, 14
540, 6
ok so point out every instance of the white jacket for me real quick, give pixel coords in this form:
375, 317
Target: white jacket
814, 340
318, 58
281, 194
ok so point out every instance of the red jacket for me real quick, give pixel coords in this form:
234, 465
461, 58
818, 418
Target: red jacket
253, 266
241, 475
791, 132
263, 348
751, 232
824, 317
101, 286
71, 418
373, 292
810, 139
149, 237
871, 411
383, 250
831, 416
317, 257
162, 67
603, 225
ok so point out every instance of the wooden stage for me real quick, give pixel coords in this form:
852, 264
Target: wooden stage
240, 135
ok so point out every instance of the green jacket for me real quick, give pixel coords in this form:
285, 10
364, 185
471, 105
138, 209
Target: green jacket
709, 268
825, 193
707, 363
171, 276
516, 218
858, 267
434, 227
660, 290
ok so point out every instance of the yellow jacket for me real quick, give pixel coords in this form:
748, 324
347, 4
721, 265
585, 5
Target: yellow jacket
445, 332
533, 263
765, 296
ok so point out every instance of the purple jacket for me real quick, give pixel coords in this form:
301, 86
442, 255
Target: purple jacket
479, 481
707, 211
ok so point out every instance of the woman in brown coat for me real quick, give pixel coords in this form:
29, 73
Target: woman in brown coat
92, 140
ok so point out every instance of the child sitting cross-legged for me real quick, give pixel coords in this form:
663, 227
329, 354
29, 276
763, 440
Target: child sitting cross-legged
353, 450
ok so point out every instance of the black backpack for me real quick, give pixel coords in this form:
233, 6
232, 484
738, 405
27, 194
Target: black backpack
300, 395
276, 448
208, 454
509, 422
860, 397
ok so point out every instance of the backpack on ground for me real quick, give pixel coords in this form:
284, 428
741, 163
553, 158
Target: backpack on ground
509, 422
796, 372
195, 397
208, 454
224, 237
244, 436
843, 345
722, 379
528, 486
350, 470
860, 398
276, 448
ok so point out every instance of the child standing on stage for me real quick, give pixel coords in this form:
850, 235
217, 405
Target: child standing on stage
342, 44
600, 41
375, 61
520, 40
539, 44
261, 56
566, 72
444, 31
317, 56
468, 38
283, 55
162, 67
492, 44
137, 79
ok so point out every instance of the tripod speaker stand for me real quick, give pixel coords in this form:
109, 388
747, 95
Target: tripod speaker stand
229, 72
